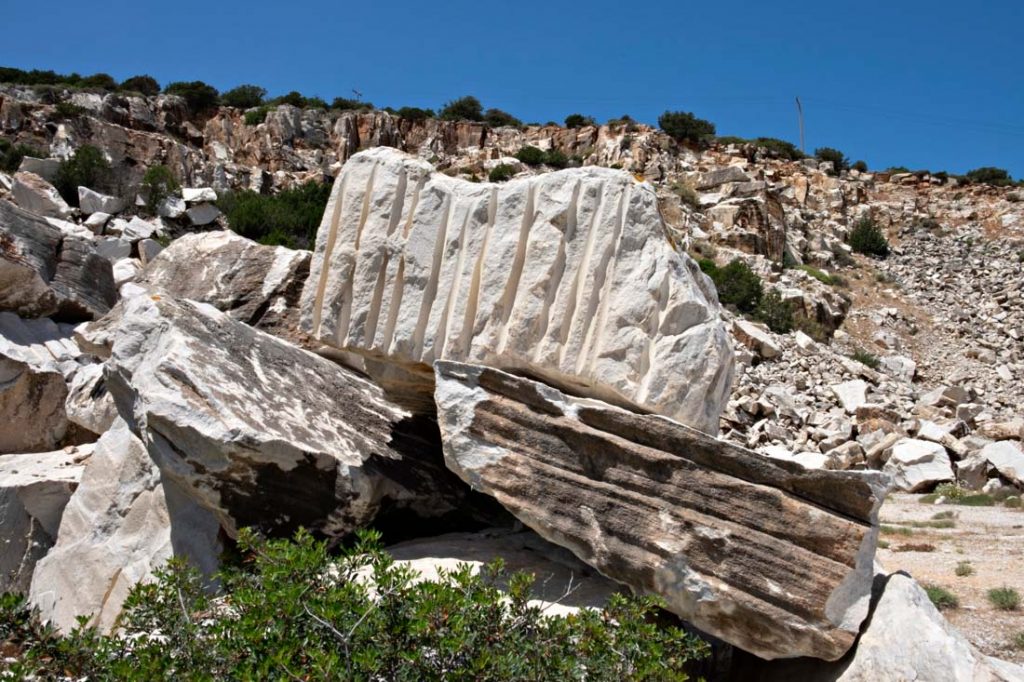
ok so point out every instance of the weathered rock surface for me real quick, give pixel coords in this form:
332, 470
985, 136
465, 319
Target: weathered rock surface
554, 568
44, 272
34, 490
91, 202
568, 275
37, 196
905, 638
247, 423
256, 284
89, 404
122, 523
768, 556
917, 465
1008, 459
36, 356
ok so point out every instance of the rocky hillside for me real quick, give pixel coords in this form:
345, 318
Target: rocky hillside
541, 350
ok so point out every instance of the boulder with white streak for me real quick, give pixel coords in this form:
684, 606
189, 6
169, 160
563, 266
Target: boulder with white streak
567, 275
123, 522
918, 465
34, 489
39, 197
91, 202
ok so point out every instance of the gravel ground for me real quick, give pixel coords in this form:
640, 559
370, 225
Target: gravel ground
990, 538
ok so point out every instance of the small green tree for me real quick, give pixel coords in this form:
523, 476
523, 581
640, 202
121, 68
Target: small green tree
683, 126
780, 148
775, 312
738, 285
157, 184
997, 177
244, 97
87, 167
860, 166
579, 121
867, 237
102, 81
501, 173
497, 118
463, 109
144, 85
531, 156
345, 104
254, 117
838, 159
415, 113
199, 96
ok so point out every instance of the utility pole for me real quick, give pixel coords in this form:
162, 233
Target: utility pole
800, 117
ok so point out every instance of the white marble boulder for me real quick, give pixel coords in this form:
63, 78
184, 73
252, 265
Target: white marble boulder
567, 275
263, 433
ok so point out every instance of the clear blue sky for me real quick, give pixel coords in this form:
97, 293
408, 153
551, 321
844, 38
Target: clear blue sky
933, 84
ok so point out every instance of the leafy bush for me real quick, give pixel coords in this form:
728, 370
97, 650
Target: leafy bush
860, 166
254, 117
988, 175
501, 173
497, 118
737, 285
867, 237
775, 312
683, 126
144, 85
297, 99
463, 109
579, 121
531, 156
1004, 598
817, 274
289, 218
102, 81
556, 159
199, 96
68, 110
1018, 641
12, 154
244, 97
941, 597
964, 569
157, 184
778, 148
87, 167
838, 159
415, 113
866, 358
294, 612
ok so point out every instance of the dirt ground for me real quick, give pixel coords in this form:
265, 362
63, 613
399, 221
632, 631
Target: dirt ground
990, 538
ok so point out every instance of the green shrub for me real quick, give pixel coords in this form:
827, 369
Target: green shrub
556, 159
87, 167
345, 104
415, 113
941, 597
297, 99
101, 81
838, 159
817, 274
866, 358
951, 491
157, 184
1004, 598
292, 611
199, 96
683, 126
812, 328
860, 166
12, 154
895, 530
497, 118
1018, 641
977, 500
254, 117
964, 569
707, 266
463, 109
738, 285
779, 148
579, 121
532, 156
775, 312
244, 97
867, 237
144, 85
998, 177
68, 110
501, 173
289, 218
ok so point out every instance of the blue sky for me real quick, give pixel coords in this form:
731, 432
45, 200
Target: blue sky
926, 84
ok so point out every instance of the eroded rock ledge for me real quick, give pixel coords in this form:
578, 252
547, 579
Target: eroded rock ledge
768, 556
568, 275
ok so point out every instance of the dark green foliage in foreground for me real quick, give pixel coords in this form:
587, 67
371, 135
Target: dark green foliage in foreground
289, 218
988, 175
501, 173
867, 237
256, 116
244, 97
294, 612
199, 96
737, 284
775, 312
941, 597
12, 154
866, 358
683, 126
463, 109
87, 167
